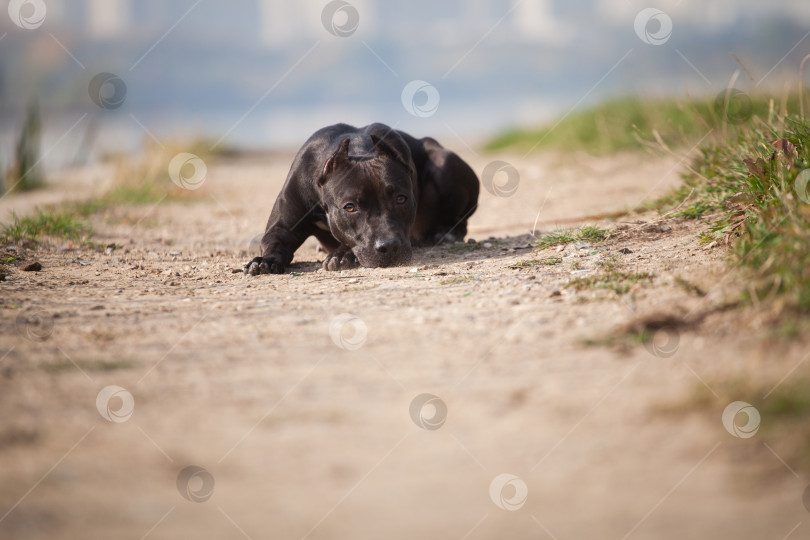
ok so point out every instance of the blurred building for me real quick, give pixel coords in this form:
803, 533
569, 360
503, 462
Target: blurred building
200, 66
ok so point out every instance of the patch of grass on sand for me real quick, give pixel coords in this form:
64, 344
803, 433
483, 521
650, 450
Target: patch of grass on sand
536, 262
753, 190
145, 179
25, 173
590, 233
618, 282
688, 286
136, 181
630, 122
56, 223
609, 263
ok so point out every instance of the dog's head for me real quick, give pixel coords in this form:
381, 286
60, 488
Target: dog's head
370, 200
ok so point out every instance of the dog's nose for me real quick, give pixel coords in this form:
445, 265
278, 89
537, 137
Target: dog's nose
387, 245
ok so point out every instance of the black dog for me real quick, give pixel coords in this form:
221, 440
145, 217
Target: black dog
367, 194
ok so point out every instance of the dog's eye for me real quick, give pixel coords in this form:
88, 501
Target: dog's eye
350, 207
401, 199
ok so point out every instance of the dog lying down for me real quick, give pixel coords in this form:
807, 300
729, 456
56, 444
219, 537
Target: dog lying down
367, 194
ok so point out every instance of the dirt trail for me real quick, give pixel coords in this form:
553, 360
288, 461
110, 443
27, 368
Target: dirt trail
310, 435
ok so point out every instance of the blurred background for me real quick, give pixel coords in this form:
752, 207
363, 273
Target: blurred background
267, 73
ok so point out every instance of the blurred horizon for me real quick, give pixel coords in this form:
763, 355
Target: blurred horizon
267, 73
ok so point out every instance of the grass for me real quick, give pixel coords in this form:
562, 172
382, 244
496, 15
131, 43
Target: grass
688, 286
783, 414
56, 223
465, 247
554, 238
749, 191
25, 174
589, 233
614, 280
536, 262
625, 123
145, 179
609, 263
136, 181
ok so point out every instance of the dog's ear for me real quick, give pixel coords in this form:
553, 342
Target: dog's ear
340, 157
385, 149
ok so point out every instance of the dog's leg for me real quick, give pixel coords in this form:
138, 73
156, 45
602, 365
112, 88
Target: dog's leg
449, 197
289, 225
278, 247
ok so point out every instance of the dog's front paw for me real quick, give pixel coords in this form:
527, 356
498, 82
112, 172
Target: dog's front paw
264, 265
340, 259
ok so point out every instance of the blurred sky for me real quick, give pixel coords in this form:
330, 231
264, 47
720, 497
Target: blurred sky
270, 72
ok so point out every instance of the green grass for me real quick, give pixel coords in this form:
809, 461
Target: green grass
137, 180
147, 193
143, 180
136, 195
614, 280
588, 233
609, 263
25, 173
746, 188
591, 233
554, 238
56, 223
625, 123
688, 286
536, 262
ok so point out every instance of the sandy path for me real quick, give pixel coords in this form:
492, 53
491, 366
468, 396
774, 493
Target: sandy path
304, 438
